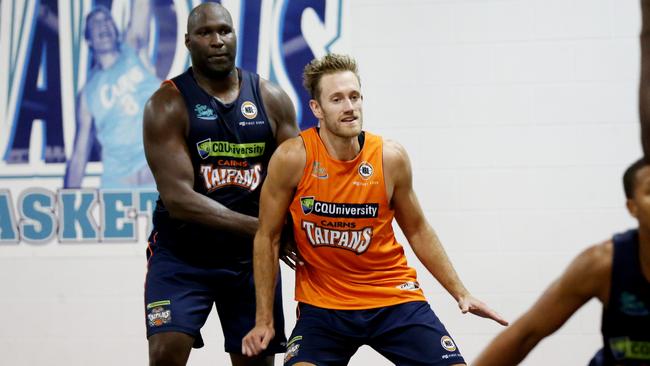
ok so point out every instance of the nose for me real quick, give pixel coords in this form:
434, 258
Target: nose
216, 40
348, 105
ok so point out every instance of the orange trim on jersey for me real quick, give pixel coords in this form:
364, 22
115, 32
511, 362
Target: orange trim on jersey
343, 228
169, 81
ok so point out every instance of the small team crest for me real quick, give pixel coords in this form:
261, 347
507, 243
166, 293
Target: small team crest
159, 313
203, 147
204, 112
249, 110
447, 343
365, 170
307, 204
318, 171
292, 349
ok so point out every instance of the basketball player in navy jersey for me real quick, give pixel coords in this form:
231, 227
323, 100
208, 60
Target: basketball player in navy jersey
616, 272
208, 137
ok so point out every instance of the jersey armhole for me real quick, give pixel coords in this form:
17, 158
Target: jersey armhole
308, 164
170, 82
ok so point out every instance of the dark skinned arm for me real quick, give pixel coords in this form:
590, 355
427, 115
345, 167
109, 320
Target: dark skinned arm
644, 85
165, 127
586, 277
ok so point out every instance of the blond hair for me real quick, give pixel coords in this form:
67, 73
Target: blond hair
327, 64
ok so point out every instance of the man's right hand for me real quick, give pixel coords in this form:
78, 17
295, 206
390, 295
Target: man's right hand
257, 340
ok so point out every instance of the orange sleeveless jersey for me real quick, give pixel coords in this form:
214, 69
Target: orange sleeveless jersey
343, 228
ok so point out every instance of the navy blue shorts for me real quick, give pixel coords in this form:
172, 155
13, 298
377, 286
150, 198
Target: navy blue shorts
179, 297
406, 334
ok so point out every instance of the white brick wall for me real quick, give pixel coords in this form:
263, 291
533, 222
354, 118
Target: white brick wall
520, 117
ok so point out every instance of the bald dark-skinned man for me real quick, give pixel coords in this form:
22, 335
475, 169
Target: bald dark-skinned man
208, 136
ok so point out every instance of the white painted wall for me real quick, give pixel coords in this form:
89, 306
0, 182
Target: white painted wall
519, 116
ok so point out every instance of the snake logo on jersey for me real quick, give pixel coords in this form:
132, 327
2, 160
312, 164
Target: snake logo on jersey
327, 234
222, 176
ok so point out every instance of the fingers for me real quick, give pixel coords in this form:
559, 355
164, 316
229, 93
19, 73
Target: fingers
256, 341
496, 317
479, 308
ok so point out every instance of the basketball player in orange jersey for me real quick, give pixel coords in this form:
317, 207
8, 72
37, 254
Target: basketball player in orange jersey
343, 186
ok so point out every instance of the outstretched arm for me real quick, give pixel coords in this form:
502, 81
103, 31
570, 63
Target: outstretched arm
165, 127
76, 168
586, 277
644, 85
137, 32
285, 170
420, 234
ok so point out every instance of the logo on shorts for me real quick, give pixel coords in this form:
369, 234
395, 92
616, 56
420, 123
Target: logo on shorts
204, 112
292, 348
158, 313
249, 110
447, 343
365, 170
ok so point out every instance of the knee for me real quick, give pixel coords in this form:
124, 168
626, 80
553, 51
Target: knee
166, 353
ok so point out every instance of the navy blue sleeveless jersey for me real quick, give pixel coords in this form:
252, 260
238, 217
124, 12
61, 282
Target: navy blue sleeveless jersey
230, 146
626, 319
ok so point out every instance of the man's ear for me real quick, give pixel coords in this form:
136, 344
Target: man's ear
315, 108
631, 207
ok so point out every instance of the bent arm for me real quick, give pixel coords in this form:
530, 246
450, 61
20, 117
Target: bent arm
137, 32
285, 171
586, 277
411, 220
76, 167
165, 126
421, 236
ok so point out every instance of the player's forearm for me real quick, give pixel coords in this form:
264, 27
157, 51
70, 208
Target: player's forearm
430, 252
265, 270
190, 206
508, 348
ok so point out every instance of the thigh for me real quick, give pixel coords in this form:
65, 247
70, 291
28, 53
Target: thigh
235, 303
320, 337
176, 297
412, 334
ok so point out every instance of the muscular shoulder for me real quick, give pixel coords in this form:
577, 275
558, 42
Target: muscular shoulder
591, 270
272, 93
276, 101
288, 162
291, 153
165, 108
396, 160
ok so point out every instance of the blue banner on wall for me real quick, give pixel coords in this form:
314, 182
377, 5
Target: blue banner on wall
74, 77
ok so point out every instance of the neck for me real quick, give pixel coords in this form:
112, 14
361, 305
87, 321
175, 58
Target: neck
340, 148
223, 87
106, 59
644, 251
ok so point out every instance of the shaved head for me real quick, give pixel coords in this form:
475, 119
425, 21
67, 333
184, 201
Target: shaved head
198, 13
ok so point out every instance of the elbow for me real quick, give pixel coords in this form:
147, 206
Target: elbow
175, 205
